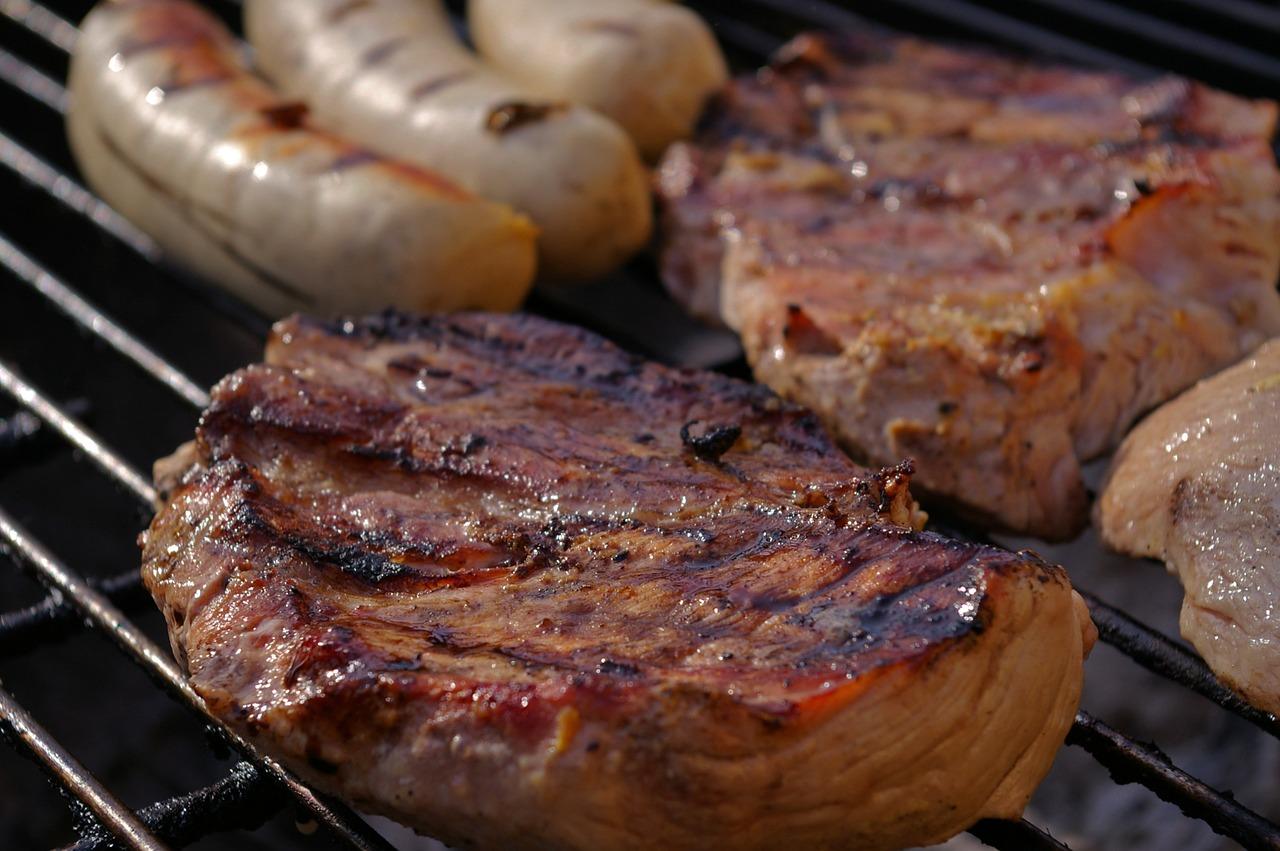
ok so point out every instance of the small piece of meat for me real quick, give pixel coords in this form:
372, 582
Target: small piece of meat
1197, 485
500, 580
992, 266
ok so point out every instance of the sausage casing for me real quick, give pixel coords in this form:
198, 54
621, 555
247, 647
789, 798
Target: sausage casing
393, 74
647, 64
169, 128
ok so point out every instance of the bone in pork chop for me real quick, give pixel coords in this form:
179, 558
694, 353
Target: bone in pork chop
1197, 484
500, 580
991, 266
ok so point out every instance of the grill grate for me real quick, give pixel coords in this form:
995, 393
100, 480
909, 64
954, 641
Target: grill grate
634, 312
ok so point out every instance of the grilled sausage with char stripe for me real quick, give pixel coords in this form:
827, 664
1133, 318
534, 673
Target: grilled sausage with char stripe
170, 129
393, 74
646, 64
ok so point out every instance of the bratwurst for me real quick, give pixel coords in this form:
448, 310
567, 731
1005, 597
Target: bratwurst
393, 74
232, 180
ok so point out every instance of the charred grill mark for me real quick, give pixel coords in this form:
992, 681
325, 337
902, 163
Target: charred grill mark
380, 53
288, 115
185, 40
340, 13
187, 208
427, 88
466, 445
353, 159
623, 29
709, 441
509, 117
612, 668
355, 560
390, 325
451, 460
177, 84
368, 556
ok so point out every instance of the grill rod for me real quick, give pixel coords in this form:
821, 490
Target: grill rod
77, 435
52, 617
97, 609
244, 798
73, 777
1162, 655
972, 17
89, 317
1131, 762
42, 21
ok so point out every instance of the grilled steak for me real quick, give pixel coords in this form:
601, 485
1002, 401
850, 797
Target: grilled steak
498, 579
991, 266
1197, 484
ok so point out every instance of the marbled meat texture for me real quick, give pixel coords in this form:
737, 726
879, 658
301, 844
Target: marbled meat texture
989, 265
501, 580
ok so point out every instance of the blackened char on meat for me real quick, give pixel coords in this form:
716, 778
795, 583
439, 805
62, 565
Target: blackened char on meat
466, 571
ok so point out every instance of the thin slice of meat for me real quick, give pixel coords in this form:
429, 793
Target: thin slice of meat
1197, 484
500, 580
992, 266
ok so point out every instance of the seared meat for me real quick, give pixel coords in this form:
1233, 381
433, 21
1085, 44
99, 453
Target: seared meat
498, 579
1197, 484
991, 266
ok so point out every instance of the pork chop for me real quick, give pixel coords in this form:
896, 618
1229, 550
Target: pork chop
496, 578
1197, 484
992, 266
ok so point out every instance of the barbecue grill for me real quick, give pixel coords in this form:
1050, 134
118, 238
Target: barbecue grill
105, 350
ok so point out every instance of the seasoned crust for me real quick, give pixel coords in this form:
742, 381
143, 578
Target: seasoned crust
467, 572
938, 215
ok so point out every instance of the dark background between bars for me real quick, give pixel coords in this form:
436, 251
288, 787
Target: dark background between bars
97, 702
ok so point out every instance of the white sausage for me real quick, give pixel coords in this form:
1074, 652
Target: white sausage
171, 130
393, 74
648, 65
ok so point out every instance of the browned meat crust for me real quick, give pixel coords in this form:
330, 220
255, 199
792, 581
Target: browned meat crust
501, 580
989, 265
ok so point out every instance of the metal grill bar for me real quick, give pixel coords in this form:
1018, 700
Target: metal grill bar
1200, 45
79, 436
42, 21
74, 197
972, 18
1162, 655
96, 608
1131, 762
73, 777
52, 617
21, 433
242, 800
1246, 12
94, 320
31, 82
1015, 835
